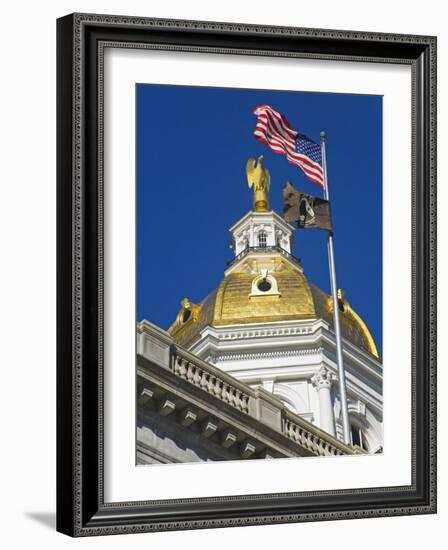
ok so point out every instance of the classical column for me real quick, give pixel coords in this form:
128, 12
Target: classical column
251, 236
322, 381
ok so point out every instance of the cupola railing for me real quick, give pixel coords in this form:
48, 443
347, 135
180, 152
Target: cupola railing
264, 250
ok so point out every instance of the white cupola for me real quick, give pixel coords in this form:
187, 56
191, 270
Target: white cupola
261, 230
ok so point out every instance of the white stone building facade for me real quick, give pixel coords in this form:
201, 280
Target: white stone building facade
267, 326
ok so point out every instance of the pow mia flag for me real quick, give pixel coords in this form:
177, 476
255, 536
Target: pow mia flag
306, 210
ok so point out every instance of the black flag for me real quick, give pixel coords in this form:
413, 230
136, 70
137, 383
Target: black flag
306, 210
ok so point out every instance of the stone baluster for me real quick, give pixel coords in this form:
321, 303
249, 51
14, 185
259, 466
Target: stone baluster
204, 380
232, 396
190, 372
225, 393
197, 376
183, 368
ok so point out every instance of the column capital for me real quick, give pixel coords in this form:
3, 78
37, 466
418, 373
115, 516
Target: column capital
323, 378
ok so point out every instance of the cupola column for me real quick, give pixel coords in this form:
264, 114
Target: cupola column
322, 381
251, 235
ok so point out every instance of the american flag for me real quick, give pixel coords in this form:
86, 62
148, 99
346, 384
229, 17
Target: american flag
274, 130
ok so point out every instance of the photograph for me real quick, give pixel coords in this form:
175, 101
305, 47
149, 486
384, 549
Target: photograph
246, 273
258, 274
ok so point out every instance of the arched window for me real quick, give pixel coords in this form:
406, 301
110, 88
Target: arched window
358, 437
262, 239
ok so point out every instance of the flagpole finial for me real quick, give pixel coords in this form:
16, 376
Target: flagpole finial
323, 136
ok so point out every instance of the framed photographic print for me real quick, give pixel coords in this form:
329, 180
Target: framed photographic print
246, 274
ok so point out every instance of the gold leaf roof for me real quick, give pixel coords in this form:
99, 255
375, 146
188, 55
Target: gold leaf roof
232, 304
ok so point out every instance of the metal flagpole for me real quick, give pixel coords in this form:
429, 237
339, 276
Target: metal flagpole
337, 326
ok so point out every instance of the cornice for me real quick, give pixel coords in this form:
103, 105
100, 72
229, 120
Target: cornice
222, 357
224, 333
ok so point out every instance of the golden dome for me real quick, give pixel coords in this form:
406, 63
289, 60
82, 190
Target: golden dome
235, 303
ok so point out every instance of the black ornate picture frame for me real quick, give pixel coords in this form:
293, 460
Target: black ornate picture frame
81, 508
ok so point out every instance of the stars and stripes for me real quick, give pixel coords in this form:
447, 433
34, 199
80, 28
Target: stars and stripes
274, 130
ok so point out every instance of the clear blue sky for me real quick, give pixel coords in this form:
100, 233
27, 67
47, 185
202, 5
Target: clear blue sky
192, 147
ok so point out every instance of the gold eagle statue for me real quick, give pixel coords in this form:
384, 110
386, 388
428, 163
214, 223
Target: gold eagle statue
259, 178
